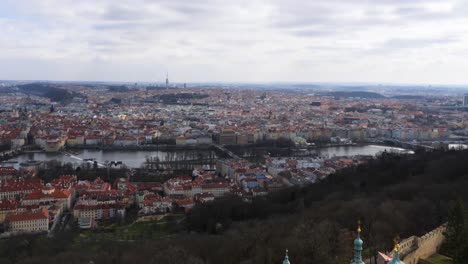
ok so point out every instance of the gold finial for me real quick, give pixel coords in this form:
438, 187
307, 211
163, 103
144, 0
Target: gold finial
397, 244
359, 226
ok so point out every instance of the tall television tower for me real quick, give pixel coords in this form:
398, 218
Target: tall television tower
167, 81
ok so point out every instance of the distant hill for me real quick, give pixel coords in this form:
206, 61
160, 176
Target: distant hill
360, 94
410, 97
174, 98
52, 92
118, 88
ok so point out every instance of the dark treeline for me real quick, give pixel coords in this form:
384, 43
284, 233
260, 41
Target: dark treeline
173, 98
392, 195
361, 94
5, 146
87, 171
118, 88
456, 234
272, 147
55, 94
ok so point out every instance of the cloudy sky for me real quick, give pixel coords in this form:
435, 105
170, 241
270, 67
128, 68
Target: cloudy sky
398, 41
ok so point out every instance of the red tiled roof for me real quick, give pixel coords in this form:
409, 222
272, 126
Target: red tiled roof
8, 205
57, 194
44, 213
21, 185
7, 170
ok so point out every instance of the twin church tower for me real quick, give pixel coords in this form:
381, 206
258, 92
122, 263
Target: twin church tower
357, 258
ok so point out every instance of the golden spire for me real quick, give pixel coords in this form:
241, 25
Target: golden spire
286, 252
397, 244
359, 226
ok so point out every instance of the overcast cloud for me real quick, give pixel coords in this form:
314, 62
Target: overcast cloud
400, 41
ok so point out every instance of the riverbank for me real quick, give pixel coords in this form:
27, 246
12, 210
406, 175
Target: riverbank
128, 157
135, 156
141, 147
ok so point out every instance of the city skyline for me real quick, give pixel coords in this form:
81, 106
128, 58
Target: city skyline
422, 42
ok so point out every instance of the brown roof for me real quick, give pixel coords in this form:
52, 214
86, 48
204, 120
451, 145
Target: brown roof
44, 213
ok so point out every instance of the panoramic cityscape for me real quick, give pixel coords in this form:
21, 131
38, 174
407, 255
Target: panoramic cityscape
171, 132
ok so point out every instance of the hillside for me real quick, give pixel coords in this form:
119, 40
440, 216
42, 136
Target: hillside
55, 94
355, 94
394, 195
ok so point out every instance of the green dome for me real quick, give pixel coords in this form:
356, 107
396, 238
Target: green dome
286, 258
396, 259
357, 259
358, 243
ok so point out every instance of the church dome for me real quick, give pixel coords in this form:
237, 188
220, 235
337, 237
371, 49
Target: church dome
396, 259
357, 259
358, 243
396, 256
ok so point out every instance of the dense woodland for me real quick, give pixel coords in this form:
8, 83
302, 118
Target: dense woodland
456, 234
392, 195
174, 98
55, 94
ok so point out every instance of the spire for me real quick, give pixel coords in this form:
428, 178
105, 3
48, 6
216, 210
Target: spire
167, 80
358, 246
286, 258
396, 256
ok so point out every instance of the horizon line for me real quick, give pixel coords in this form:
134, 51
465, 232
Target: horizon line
344, 83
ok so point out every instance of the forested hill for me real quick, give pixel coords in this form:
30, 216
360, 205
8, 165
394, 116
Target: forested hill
355, 94
394, 195
50, 91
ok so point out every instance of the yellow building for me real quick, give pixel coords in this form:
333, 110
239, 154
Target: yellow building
28, 222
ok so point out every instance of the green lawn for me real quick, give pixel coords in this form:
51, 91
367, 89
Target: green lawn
439, 259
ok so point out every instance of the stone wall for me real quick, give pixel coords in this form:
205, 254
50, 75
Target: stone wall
414, 248
425, 246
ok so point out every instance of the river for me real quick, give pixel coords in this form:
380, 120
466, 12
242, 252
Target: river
131, 158
134, 159
349, 151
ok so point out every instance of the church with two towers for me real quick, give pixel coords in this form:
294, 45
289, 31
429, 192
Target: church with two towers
358, 246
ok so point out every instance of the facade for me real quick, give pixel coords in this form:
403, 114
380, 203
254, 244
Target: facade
98, 211
188, 188
154, 203
18, 188
465, 100
7, 207
228, 137
28, 222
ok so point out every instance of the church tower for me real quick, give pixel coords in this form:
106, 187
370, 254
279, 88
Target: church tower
286, 258
396, 257
358, 247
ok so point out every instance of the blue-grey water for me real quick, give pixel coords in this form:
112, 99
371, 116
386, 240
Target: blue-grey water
135, 159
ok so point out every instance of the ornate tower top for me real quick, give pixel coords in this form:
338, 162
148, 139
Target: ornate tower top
358, 247
286, 258
396, 257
